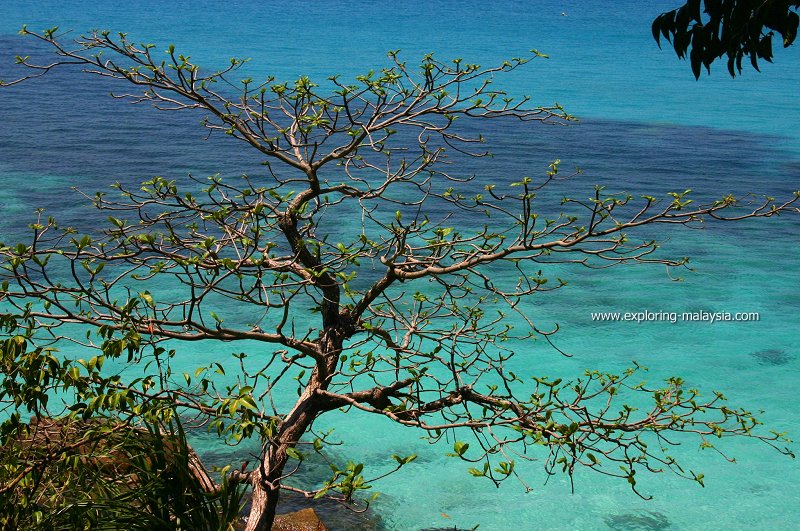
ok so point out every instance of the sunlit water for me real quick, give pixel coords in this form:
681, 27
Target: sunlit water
647, 127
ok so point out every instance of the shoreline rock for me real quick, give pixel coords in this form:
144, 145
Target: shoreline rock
302, 520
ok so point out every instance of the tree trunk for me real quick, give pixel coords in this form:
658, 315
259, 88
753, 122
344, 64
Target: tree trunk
266, 479
263, 504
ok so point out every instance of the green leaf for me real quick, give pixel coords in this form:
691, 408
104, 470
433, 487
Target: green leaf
294, 454
147, 298
404, 460
460, 447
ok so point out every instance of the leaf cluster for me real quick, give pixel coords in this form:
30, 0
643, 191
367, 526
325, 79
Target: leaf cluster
707, 30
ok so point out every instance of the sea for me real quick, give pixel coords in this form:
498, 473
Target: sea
646, 126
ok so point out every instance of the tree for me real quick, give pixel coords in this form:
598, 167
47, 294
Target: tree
710, 29
402, 317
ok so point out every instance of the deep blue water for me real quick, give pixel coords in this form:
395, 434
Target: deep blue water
646, 127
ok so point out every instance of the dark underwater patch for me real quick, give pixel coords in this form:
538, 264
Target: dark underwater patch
649, 521
772, 356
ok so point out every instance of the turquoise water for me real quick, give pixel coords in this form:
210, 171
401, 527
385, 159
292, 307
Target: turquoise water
647, 126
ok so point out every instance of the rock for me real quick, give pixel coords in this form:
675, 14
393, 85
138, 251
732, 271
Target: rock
302, 520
